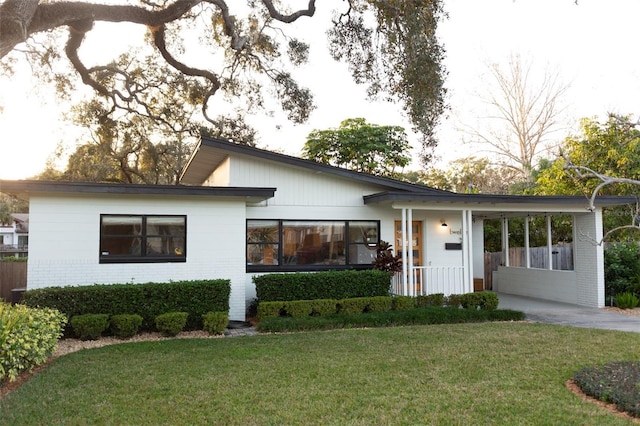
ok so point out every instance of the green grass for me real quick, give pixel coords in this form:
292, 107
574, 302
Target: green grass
460, 374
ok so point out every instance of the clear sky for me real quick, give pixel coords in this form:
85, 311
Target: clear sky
592, 45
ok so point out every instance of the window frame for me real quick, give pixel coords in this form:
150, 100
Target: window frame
144, 256
280, 266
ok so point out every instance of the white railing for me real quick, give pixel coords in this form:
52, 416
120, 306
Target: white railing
430, 280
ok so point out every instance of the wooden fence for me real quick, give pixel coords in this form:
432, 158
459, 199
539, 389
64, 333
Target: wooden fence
12, 275
562, 258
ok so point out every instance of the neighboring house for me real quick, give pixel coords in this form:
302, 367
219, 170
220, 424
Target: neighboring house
242, 211
14, 237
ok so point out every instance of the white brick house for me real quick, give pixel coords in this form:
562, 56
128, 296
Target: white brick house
242, 211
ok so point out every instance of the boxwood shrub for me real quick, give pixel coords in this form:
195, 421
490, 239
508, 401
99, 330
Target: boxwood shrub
147, 300
171, 323
322, 285
89, 326
125, 325
215, 322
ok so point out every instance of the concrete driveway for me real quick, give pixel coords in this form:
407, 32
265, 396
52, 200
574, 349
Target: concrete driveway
544, 311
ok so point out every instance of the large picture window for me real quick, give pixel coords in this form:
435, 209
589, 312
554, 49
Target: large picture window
142, 238
295, 245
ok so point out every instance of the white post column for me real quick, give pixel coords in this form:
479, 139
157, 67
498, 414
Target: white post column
526, 242
549, 244
505, 241
412, 281
469, 243
403, 244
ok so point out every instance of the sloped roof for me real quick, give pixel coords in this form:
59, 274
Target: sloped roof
211, 152
494, 205
22, 189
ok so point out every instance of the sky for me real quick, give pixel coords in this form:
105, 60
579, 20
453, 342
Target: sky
591, 45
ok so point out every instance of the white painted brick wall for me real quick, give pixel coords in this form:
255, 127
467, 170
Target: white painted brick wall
64, 243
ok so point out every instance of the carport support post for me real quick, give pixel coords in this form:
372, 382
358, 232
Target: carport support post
549, 243
527, 252
505, 241
403, 243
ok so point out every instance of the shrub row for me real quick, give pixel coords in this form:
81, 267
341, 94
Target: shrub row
485, 300
147, 300
415, 316
92, 326
322, 285
27, 338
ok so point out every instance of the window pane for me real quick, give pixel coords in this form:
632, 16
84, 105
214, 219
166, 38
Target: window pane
166, 225
314, 243
262, 254
361, 254
363, 232
121, 225
165, 246
110, 246
262, 231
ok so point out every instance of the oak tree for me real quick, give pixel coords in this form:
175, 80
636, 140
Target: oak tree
245, 54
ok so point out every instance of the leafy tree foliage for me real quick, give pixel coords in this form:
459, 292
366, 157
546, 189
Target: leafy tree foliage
612, 149
360, 146
244, 55
468, 175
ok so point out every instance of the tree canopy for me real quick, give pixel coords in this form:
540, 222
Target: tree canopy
241, 52
468, 175
602, 160
360, 146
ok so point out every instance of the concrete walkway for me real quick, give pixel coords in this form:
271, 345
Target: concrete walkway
544, 311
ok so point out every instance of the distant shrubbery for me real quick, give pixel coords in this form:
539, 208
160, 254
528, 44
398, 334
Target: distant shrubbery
622, 269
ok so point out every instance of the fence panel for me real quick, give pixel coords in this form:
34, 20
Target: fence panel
12, 275
562, 257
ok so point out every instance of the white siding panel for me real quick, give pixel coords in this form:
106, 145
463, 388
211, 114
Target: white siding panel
298, 187
64, 243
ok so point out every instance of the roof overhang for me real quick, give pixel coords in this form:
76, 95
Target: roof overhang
211, 152
492, 206
26, 188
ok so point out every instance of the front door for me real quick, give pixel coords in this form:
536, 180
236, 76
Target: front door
416, 247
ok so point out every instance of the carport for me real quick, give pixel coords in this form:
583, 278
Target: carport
584, 285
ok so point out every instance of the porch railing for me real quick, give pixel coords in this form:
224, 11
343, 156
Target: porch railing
431, 280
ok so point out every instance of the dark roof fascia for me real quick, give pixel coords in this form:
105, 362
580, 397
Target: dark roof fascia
39, 186
386, 197
225, 145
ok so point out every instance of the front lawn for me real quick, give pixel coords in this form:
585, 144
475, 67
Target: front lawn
460, 374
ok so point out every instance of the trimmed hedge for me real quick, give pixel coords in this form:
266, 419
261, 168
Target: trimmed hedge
147, 300
322, 285
416, 316
480, 300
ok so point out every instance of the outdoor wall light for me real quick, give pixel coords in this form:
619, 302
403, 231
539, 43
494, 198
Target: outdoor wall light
443, 223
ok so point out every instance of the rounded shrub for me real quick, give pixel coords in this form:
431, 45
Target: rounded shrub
171, 323
215, 322
125, 326
89, 326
